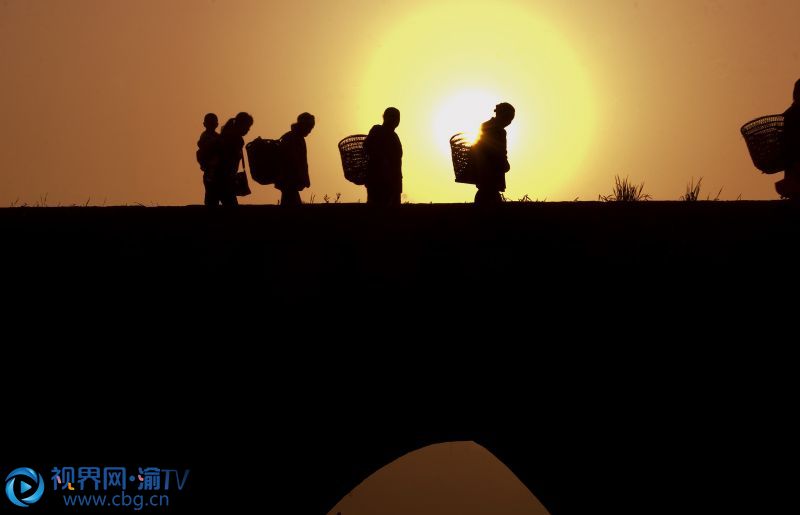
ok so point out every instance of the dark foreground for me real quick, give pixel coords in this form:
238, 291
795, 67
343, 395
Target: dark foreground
618, 358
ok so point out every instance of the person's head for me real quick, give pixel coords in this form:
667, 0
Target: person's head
797, 91
305, 123
504, 113
243, 123
229, 126
391, 117
210, 121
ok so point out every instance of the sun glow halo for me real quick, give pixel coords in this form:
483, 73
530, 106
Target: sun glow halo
463, 112
446, 66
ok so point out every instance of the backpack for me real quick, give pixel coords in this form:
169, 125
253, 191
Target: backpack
265, 157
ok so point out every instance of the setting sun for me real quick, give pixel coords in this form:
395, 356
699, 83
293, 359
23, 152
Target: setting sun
446, 67
463, 112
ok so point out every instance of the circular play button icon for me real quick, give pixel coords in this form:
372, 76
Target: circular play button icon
24, 487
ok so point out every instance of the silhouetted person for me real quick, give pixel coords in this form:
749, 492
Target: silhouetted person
384, 168
231, 143
208, 153
295, 175
489, 156
789, 186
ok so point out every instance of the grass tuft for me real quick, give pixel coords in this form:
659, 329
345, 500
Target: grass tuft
692, 191
625, 191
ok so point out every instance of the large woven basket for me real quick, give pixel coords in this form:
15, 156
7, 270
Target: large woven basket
461, 150
764, 138
354, 158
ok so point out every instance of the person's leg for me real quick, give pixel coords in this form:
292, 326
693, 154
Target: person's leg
488, 197
290, 198
395, 197
228, 193
229, 199
210, 199
483, 197
386, 196
371, 196
789, 186
496, 197
396, 192
377, 196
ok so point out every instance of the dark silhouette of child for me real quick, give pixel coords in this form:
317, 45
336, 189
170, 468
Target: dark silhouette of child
295, 177
384, 168
231, 143
208, 153
789, 186
489, 156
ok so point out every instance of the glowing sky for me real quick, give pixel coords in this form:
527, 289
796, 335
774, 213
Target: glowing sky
104, 99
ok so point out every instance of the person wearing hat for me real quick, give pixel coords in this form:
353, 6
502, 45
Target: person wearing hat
490, 156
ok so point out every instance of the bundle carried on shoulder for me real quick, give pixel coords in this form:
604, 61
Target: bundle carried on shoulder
765, 141
354, 158
266, 160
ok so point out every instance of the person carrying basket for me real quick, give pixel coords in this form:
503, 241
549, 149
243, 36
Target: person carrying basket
385, 162
789, 186
489, 156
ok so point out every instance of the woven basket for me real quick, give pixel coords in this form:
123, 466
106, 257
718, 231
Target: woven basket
354, 159
461, 149
764, 138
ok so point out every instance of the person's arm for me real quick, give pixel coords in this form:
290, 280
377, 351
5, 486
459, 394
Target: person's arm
370, 143
305, 180
294, 165
200, 154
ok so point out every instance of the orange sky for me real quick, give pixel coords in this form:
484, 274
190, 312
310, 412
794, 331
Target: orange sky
104, 99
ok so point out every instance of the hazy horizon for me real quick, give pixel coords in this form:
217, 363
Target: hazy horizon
104, 100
